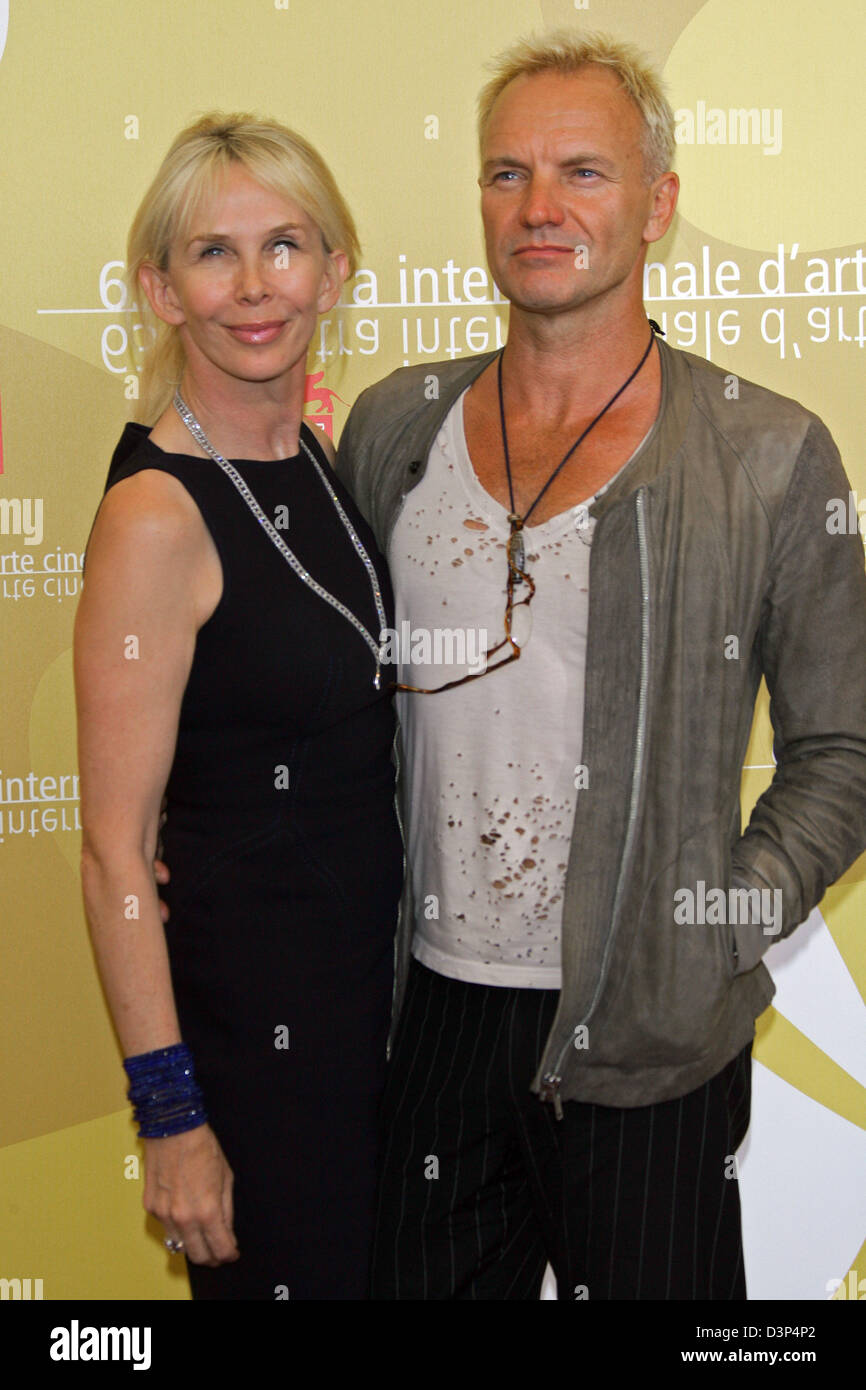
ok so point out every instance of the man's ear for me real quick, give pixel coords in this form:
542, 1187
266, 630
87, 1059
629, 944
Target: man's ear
665, 194
163, 301
333, 278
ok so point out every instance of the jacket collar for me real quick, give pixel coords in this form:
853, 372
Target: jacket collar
422, 430
664, 439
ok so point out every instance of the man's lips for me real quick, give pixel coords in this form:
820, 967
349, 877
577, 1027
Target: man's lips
547, 250
256, 332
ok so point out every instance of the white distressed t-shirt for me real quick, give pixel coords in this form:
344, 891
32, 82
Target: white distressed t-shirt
492, 767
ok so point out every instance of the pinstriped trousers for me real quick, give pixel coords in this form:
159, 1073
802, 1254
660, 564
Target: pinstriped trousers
481, 1185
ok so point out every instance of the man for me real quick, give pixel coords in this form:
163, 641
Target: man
570, 1077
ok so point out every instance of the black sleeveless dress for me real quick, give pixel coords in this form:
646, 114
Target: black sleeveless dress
286, 868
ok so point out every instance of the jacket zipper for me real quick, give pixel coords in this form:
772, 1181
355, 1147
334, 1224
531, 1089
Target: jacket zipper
395, 748
551, 1081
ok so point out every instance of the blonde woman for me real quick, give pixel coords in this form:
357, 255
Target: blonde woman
227, 659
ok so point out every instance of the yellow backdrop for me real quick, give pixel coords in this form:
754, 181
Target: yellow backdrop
763, 272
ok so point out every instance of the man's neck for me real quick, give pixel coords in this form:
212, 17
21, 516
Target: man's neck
570, 364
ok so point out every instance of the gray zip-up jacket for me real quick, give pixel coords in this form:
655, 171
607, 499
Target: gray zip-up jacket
712, 564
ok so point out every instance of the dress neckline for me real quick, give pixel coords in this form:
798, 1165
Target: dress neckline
306, 433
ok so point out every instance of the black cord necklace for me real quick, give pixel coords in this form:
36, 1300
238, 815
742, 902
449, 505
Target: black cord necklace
516, 552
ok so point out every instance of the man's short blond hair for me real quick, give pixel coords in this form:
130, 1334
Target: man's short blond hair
566, 52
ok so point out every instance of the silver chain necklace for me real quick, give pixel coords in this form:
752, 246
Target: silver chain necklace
201, 438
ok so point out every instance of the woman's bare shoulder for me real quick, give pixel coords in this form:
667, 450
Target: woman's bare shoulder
150, 502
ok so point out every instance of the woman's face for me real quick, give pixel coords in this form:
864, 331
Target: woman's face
246, 284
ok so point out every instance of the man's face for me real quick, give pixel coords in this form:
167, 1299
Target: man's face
566, 207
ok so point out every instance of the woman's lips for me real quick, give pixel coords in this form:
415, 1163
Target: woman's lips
256, 332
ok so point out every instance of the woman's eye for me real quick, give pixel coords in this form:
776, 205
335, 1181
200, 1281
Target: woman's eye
211, 252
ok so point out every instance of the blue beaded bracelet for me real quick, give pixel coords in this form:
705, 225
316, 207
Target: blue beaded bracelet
164, 1093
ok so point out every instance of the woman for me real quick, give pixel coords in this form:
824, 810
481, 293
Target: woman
227, 659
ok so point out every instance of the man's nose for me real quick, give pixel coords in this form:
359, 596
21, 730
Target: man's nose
541, 202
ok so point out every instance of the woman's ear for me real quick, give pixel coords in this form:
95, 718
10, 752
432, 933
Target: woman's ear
163, 301
333, 279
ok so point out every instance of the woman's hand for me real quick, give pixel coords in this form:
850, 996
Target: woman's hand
188, 1187
161, 876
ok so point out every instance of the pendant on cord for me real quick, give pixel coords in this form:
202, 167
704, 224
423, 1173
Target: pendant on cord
516, 551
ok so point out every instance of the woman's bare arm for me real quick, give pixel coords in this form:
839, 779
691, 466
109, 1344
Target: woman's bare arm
152, 579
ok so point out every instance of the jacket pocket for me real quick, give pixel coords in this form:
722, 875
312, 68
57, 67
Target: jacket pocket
681, 959
757, 922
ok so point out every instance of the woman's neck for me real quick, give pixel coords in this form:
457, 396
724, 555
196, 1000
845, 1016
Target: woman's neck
241, 419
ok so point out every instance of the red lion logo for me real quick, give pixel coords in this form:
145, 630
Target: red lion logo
323, 397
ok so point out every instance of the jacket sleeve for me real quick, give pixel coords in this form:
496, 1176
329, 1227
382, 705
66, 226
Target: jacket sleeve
810, 824
358, 461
